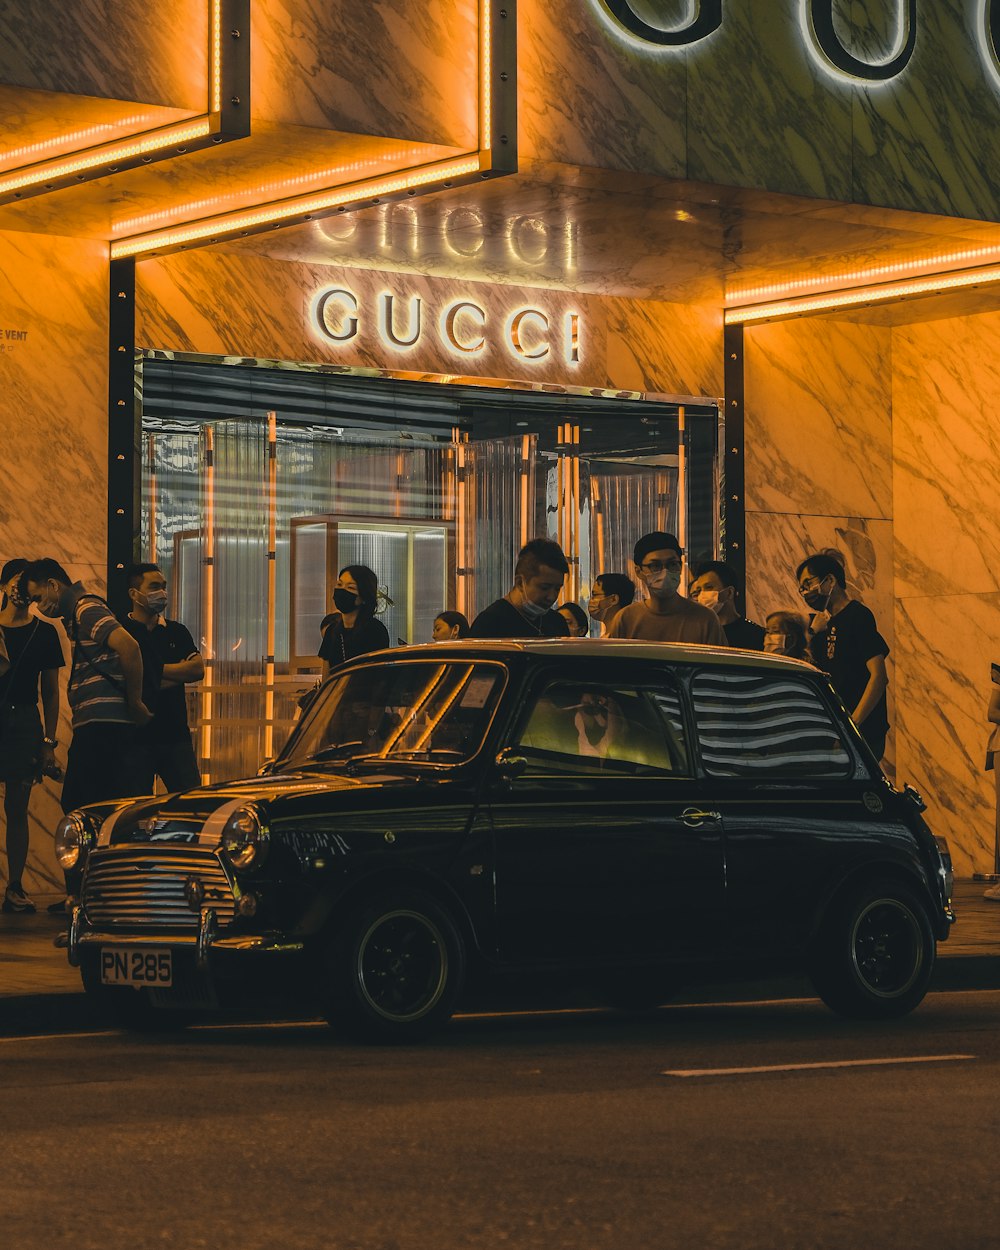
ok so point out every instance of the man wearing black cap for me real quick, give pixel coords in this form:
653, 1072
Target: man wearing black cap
665, 616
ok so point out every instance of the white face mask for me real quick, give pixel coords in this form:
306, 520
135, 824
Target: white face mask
709, 599
666, 578
775, 643
533, 611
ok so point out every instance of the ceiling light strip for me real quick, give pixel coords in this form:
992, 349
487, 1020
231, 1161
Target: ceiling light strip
879, 294
349, 195
485, 75
496, 95
866, 276
95, 160
51, 171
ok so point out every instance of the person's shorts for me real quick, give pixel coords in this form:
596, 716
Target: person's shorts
20, 742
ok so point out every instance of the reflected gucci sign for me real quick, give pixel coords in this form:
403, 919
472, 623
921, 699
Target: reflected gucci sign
462, 326
819, 28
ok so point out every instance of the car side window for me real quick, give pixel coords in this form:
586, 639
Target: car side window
591, 727
766, 724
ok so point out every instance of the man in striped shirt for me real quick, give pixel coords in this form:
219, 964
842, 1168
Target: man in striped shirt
105, 691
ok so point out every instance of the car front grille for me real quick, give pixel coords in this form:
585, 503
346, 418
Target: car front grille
135, 888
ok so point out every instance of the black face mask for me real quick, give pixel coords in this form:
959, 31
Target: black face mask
817, 600
345, 600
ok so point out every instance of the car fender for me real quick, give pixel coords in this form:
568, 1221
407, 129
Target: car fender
906, 872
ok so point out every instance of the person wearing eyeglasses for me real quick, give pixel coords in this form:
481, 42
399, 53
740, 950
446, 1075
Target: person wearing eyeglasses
666, 616
611, 593
845, 644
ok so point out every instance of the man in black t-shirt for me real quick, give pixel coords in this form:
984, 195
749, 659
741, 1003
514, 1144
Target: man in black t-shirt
170, 660
715, 587
526, 609
845, 643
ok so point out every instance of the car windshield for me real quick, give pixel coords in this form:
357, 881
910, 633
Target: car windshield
418, 711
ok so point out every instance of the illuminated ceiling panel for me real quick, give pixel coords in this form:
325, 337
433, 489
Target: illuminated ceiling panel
103, 138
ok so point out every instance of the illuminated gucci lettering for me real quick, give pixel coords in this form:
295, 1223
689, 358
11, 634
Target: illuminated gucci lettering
707, 20
449, 324
529, 333
387, 321
332, 322
819, 31
828, 41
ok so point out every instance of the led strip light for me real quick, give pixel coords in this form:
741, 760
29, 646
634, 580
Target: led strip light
495, 154
879, 293
142, 147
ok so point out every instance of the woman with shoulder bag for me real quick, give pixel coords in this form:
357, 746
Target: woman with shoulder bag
26, 752
353, 629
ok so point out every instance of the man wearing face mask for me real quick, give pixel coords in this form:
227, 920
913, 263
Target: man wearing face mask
526, 609
104, 692
666, 616
715, 588
170, 660
846, 644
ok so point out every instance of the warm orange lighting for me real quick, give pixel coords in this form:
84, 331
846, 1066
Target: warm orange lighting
877, 294
102, 158
860, 277
351, 195
106, 130
493, 85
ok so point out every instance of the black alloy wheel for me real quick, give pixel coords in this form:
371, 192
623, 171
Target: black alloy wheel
396, 966
876, 953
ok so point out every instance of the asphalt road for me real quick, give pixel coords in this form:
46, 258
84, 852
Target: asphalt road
581, 1130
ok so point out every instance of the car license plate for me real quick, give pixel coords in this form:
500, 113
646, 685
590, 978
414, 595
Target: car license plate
125, 965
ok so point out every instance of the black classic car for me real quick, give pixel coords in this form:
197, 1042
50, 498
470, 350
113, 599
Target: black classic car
637, 815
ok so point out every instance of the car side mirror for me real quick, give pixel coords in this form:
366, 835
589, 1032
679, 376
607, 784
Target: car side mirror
510, 766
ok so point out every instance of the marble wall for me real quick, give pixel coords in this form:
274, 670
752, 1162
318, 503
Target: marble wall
756, 104
221, 303
53, 378
946, 440
882, 443
819, 464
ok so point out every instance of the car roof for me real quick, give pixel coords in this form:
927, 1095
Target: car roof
617, 648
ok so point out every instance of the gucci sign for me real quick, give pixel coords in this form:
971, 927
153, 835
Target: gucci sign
463, 326
819, 28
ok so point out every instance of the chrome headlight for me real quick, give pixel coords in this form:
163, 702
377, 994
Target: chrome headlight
74, 836
244, 837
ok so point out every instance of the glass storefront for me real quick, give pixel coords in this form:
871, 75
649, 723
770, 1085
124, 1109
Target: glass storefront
261, 482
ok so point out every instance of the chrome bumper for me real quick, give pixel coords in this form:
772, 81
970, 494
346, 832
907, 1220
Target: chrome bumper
204, 942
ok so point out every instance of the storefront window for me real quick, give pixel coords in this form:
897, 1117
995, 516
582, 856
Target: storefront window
433, 486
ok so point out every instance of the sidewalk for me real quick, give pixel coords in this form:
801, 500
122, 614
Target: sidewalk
40, 991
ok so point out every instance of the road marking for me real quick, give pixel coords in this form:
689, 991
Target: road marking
812, 1067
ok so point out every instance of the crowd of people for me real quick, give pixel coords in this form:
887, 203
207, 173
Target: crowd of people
125, 693
128, 674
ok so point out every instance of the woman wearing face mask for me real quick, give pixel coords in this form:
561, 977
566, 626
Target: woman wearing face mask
785, 634
25, 751
449, 626
352, 630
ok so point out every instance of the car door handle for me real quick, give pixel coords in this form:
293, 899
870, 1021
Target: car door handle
694, 817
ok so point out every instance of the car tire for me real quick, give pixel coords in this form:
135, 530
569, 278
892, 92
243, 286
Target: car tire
395, 969
130, 1009
876, 953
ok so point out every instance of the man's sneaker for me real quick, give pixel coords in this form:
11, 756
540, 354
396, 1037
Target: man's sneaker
993, 893
15, 900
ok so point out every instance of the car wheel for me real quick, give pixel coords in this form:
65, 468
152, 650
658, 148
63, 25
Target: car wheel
130, 1009
395, 969
876, 953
